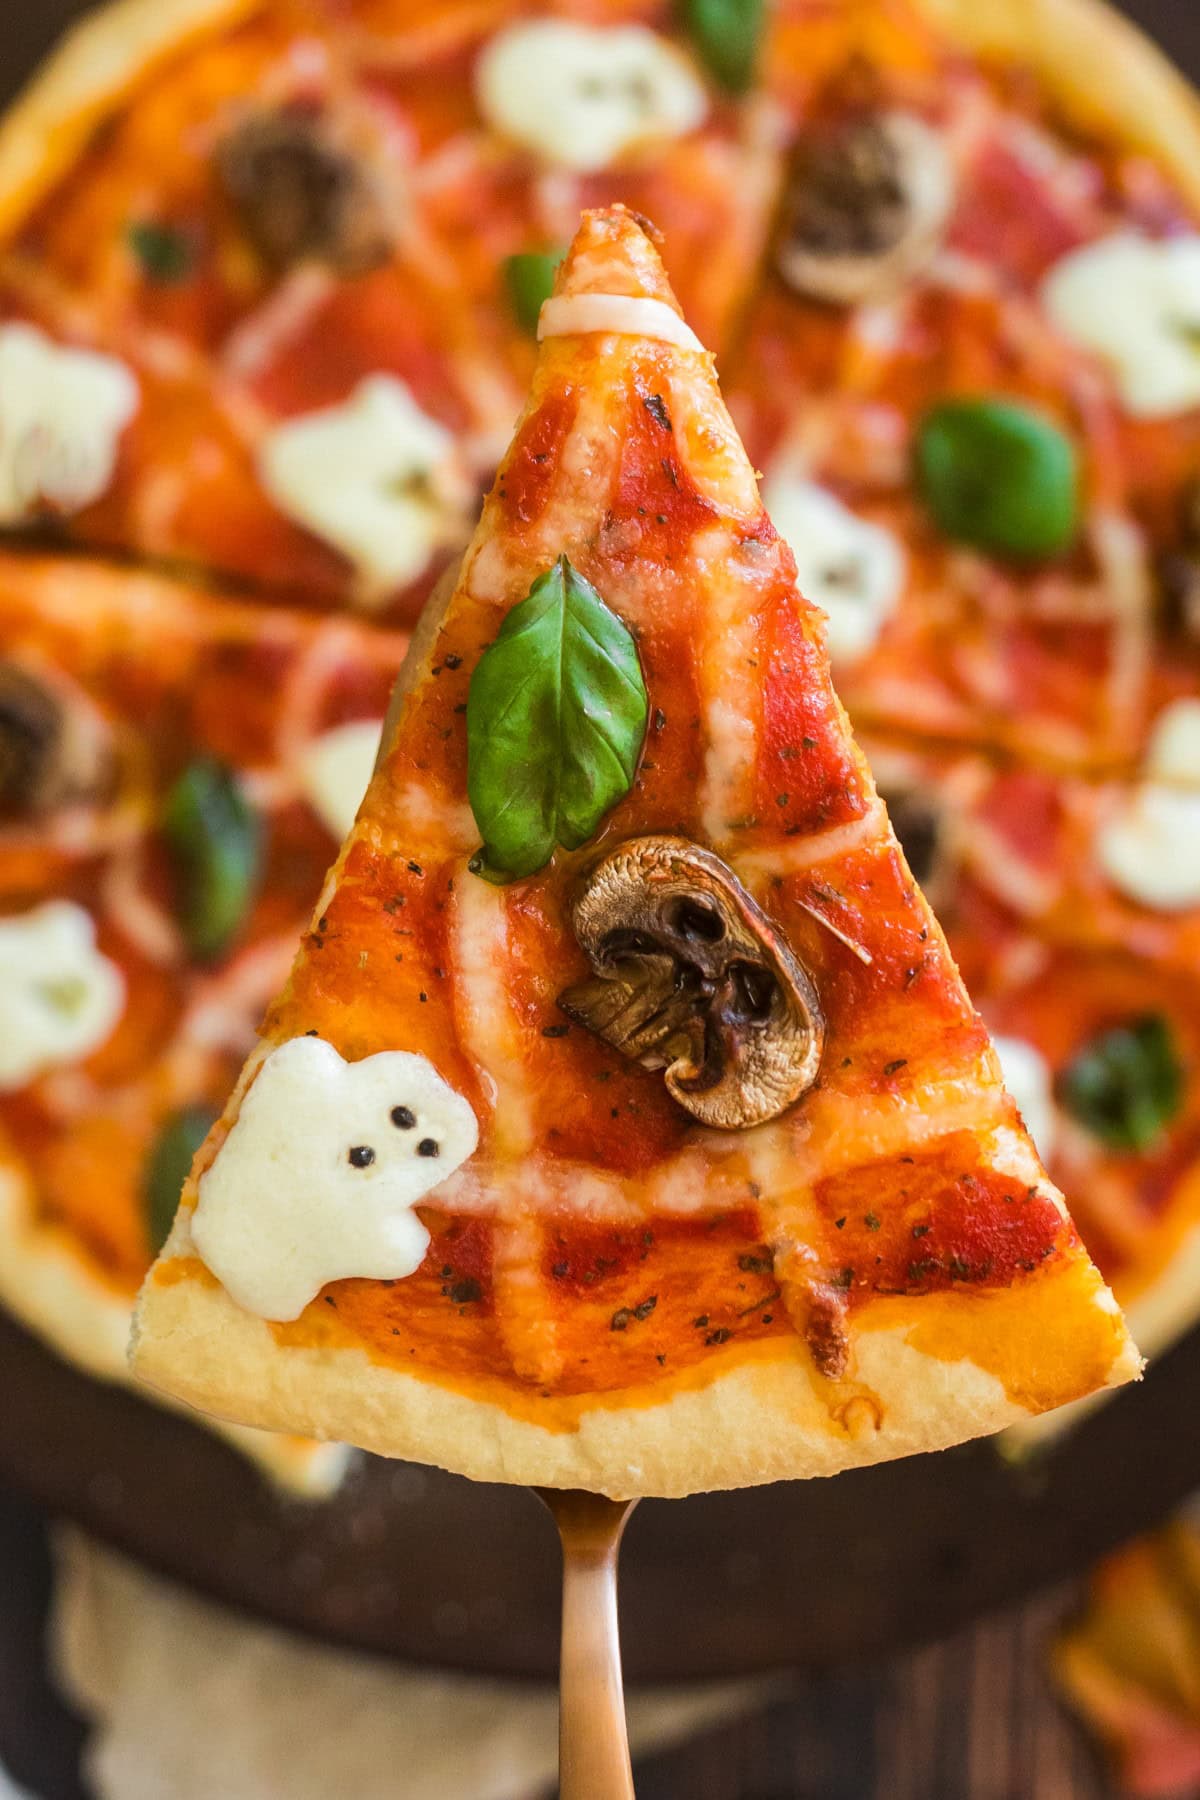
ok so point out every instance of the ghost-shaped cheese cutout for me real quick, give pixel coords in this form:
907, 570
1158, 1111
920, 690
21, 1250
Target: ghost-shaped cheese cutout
319, 1176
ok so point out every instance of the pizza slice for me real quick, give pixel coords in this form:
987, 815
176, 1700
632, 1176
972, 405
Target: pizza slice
624, 1123
1102, 1054
1090, 991
1084, 863
979, 466
302, 249
175, 770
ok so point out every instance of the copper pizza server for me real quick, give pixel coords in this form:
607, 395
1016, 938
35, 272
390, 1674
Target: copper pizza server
593, 1744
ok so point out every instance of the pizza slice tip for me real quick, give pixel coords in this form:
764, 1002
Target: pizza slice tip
624, 1123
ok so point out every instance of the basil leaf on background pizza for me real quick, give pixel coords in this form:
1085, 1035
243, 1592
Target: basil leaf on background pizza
164, 253
529, 277
168, 1166
999, 476
556, 714
726, 34
1126, 1086
215, 840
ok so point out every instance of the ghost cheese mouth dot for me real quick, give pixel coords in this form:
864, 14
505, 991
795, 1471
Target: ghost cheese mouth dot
361, 1156
429, 1147
403, 1118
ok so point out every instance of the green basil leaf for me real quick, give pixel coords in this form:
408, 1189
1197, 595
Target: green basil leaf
164, 253
167, 1169
727, 34
556, 714
999, 476
1126, 1086
530, 280
215, 840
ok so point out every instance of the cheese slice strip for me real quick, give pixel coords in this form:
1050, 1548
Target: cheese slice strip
616, 1294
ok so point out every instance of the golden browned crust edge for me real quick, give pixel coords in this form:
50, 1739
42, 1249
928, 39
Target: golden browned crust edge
85, 76
762, 1420
45, 1283
1158, 1314
1102, 70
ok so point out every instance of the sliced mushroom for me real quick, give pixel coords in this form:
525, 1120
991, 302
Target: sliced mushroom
53, 747
866, 205
300, 191
692, 978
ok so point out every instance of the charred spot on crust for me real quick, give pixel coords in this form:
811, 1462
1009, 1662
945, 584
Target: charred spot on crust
51, 750
825, 1330
301, 192
690, 977
866, 203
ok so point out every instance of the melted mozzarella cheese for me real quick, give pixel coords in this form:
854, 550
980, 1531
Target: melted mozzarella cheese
1136, 303
335, 769
375, 476
1150, 848
62, 412
59, 997
625, 315
1173, 753
319, 1176
1027, 1078
580, 96
852, 570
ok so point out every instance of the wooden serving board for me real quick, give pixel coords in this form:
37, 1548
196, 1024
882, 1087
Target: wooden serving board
427, 1566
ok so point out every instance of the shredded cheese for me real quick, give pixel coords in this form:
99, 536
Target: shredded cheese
1136, 303
375, 477
62, 412
623, 315
582, 96
60, 999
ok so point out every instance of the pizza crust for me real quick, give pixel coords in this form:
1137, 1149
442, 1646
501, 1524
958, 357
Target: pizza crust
45, 1283
1105, 73
769, 1417
1157, 1317
82, 81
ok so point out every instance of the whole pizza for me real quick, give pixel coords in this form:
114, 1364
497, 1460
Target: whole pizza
270, 282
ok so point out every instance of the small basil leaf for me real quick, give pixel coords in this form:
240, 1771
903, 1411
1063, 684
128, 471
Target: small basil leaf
556, 714
215, 840
999, 476
164, 253
1126, 1086
167, 1169
726, 34
530, 280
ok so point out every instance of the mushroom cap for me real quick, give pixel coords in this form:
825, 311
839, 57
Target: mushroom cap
866, 207
54, 746
691, 977
301, 189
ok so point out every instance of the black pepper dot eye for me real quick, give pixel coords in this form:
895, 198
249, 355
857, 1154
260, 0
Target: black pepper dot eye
403, 1118
429, 1147
360, 1156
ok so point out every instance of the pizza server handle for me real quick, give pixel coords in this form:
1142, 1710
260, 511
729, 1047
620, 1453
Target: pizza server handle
593, 1746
